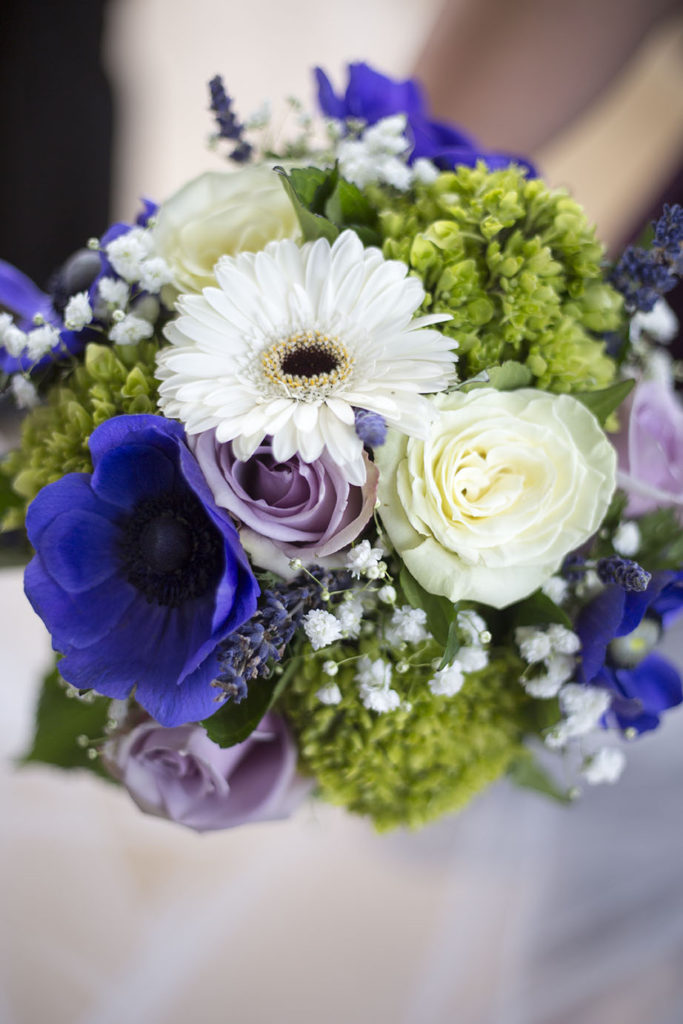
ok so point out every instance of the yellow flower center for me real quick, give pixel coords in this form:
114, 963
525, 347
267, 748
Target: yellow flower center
307, 365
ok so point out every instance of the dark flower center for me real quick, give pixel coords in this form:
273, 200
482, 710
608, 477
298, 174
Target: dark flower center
171, 551
309, 361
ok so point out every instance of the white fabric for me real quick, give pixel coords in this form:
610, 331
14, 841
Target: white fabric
515, 912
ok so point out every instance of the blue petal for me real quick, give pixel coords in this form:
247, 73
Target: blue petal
76, 620
330, 104
637, 603
72, 491
137, 427
596, 626
132, 472
79, 550
372, 96
192, 700
654, 682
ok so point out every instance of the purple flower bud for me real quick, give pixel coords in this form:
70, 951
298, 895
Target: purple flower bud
182, 775
370, 427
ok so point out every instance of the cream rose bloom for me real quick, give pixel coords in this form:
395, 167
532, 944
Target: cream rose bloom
221, 213
507, 483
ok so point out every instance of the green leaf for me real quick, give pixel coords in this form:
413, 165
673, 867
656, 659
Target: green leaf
452, 644
527, 773
60, 720
440, 611
509, 376
537, 610
603, 403
313, 226
235, 722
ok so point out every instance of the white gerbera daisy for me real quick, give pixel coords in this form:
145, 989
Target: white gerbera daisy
295, 338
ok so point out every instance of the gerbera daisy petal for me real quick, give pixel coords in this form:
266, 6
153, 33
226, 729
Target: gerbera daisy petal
292, 340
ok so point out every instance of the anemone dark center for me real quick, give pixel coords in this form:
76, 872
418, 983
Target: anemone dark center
171, 551
166, 543
309, 361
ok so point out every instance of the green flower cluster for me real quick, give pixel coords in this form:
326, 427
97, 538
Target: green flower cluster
54, 441
516, 265
408, 767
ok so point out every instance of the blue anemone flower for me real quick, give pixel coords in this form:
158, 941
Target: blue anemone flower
371, 96
138, 574
618, 630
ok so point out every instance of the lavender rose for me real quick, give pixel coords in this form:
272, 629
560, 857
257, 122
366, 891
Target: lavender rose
181, 774
650, 447
291, 509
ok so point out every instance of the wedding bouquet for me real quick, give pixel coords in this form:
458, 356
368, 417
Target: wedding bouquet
355, 470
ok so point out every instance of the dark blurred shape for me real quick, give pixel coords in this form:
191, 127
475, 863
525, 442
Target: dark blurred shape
56, 128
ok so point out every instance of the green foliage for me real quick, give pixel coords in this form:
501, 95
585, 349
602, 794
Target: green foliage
109, 382
235, 722
439, 610
408, 767
603, 403
527, 773
661, 544
517, 267
60, 720
327, 204
538, 610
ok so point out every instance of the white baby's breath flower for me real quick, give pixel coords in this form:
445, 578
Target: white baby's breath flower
606, 765
113, 291
127, 253
661, 324
14, 340
472, 626
329, 694
363, 557
6, 321
472, 659
556, 588
41, 340
559, 669
534, 643
407, 625
563, 640
78, 312
23, 392
321, 628
293, 340
583, 707
374, 685
387, 594
154, 274
626, 540
425, 171
350, 615
448, 681
130, 330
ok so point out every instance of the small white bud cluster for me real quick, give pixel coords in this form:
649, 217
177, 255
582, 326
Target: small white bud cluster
78, 312
321, 628
364, 560
374, 685
380, 156
626, 540
582, 708
552, 650
471, 656
407, 625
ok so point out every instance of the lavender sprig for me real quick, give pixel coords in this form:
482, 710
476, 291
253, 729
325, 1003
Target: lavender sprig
644, 275
229, 126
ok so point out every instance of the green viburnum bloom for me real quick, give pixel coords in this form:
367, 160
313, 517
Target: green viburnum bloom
517, 266
109, 382
411, 765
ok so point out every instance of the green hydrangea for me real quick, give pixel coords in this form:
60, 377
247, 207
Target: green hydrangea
54, 441
408, 767
516, 265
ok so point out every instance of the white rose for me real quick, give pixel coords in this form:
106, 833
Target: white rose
221, 213
506, 484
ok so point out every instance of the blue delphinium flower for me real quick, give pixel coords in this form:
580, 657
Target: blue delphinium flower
137, 574
618, 630
371, 96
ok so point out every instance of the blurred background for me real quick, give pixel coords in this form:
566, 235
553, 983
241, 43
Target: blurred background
515, 912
